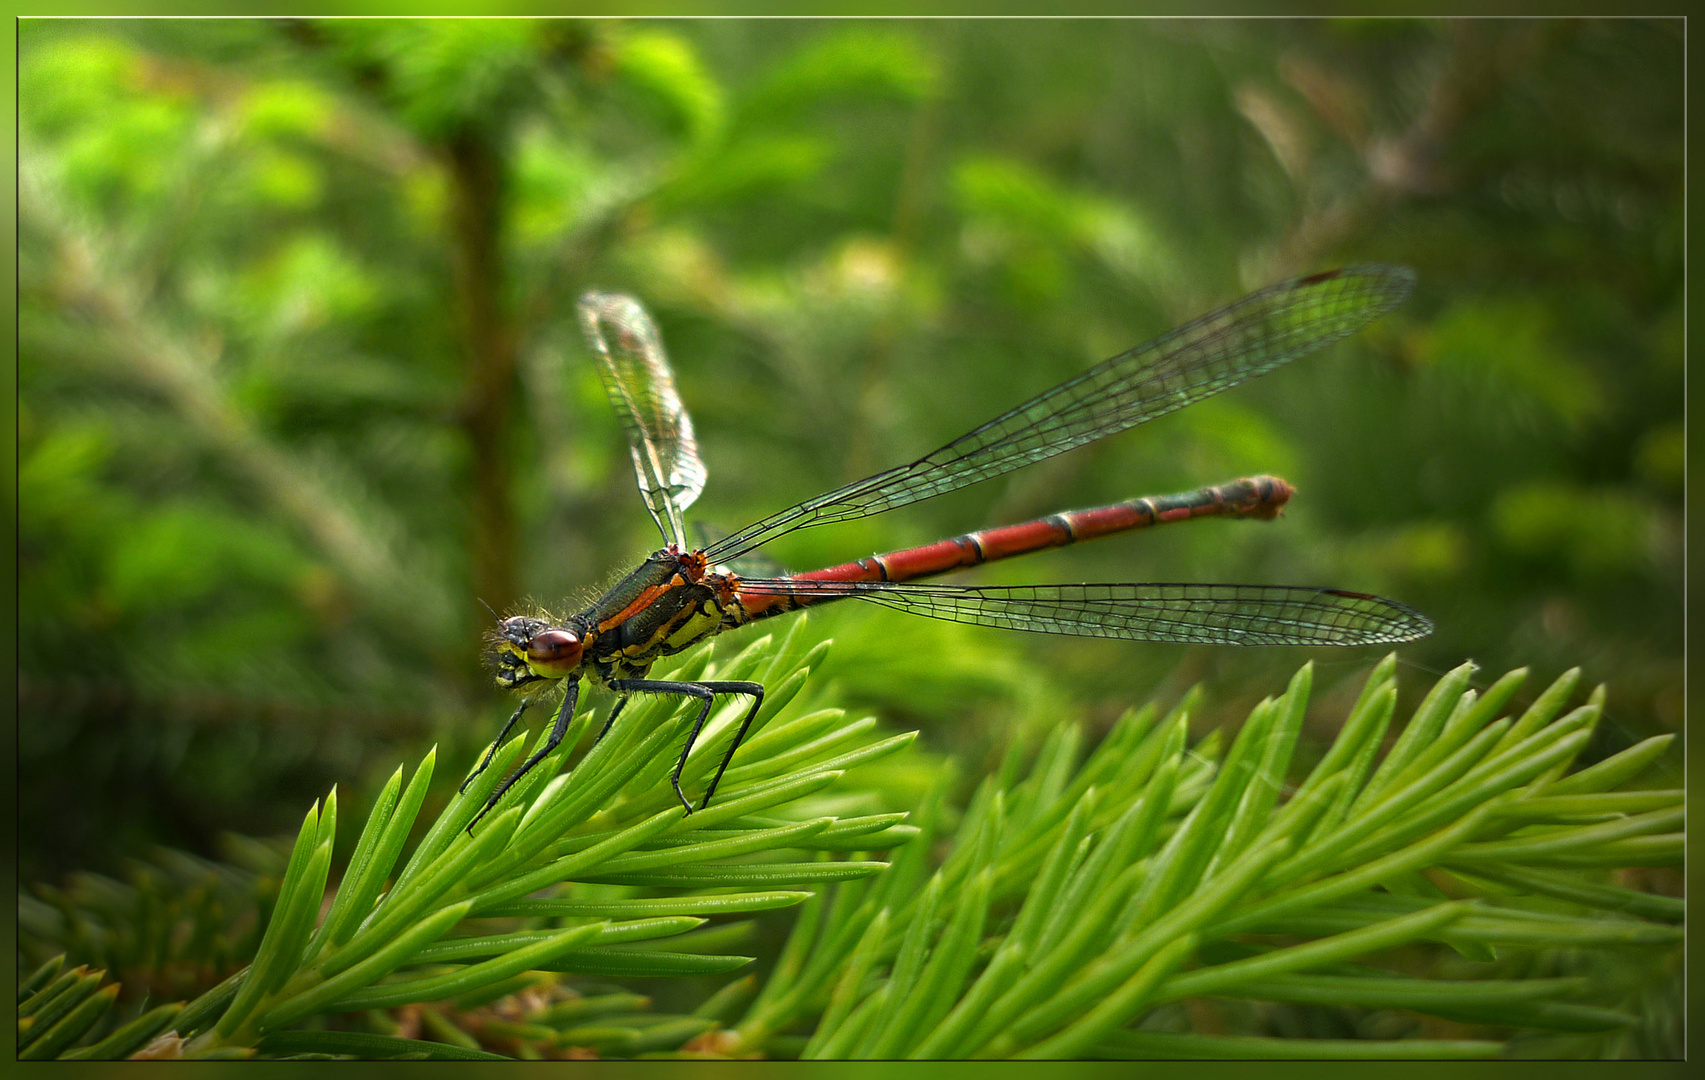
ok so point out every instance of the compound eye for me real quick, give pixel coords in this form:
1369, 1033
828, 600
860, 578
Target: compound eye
517, 628
554, 648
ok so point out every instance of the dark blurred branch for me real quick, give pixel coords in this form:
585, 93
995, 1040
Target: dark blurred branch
488, 342
474, 153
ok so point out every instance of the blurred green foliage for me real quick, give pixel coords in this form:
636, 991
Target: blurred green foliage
300, 382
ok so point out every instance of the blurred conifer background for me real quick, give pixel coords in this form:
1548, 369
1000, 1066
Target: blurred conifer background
301, 385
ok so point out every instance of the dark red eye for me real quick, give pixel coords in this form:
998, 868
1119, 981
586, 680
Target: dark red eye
555, 647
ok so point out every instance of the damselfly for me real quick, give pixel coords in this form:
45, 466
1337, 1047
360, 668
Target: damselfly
682, 595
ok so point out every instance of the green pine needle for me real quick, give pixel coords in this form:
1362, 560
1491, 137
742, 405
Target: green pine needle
1080, 893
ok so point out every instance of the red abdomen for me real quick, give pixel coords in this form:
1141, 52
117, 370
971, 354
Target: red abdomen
1253, 497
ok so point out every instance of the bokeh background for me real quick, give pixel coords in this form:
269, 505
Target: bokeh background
300, 383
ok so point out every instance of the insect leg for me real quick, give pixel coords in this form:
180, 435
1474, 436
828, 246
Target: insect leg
621, 703
558, 729
701, 691
706, 692
495, 743
757, 692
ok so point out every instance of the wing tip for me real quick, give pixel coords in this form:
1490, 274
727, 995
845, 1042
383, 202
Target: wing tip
1390, 283
1393, 283
1401, 624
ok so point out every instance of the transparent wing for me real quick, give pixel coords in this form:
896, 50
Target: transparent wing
1200, 614
1215, 352
752, 564
642, 389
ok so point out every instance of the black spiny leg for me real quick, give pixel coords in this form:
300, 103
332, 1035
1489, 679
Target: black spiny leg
495, 743
685, 689
706, 692
757, 692
558, 729
621, 703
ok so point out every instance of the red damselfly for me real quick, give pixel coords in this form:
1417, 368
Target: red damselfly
682, 595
